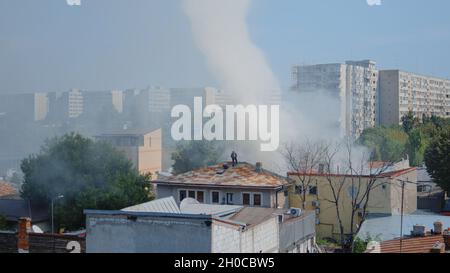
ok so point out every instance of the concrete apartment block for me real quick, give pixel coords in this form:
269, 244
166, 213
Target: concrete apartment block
401, 92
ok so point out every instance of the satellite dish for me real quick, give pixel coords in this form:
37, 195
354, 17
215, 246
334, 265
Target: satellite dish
36, 229
188, 201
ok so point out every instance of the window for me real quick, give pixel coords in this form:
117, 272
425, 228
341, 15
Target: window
229, 199
313, 190
192, 194
352, 191
246, 199
298, 189
201, 196
257, 200
215, 197
182, 195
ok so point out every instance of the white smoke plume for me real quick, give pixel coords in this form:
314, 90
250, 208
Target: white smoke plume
220, 31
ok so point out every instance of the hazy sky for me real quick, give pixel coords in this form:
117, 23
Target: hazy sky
47, 45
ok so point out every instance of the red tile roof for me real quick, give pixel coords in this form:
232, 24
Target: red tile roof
411, 245
243, 175
7, 189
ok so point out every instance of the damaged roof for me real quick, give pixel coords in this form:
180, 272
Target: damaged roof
244, 175
7, 189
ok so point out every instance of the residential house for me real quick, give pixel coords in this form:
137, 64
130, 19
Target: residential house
142, 147
244, 184
385, 197
430, 196
161, 226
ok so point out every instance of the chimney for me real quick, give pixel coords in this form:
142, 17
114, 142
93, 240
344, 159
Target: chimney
447, 238
23, 244
418, 231
438, 227
258, 167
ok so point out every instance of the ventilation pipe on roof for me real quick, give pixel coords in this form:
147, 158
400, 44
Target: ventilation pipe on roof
438, 227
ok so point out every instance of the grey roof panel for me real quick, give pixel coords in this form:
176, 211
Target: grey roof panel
388, 228
165, 205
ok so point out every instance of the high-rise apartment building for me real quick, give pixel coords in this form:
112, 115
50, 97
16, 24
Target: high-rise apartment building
401, 92
354, 84
75, 103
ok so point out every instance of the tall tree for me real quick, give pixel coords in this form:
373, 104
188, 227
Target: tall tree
303, 160
90, 175
437, 158
409, 122
3, 224
190, 155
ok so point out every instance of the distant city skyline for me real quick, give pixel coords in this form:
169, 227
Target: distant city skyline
105, 45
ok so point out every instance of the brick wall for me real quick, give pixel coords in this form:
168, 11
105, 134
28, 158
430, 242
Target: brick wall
40, 243
8, 242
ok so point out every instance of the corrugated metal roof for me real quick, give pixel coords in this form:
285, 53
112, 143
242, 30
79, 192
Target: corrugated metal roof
242, 175
388, 228
165, 205
209, 209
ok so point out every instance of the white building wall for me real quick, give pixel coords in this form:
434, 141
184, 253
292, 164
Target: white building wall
225, 239
262, 238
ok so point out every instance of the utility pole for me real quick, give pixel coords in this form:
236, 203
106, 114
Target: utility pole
53, 225
401, 217
402, 211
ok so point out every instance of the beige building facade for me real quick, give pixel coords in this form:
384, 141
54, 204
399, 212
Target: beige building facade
143, 149
385, 198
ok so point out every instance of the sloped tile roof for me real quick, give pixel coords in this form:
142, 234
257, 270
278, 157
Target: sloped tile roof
411, 245
243, 175
7, 189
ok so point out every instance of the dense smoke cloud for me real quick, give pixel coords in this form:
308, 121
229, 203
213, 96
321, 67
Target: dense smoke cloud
220, 31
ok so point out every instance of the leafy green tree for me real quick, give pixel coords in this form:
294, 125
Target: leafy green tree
90, 175
437, 158
409, 122
394, 145
190, 155
3, 224
387, 144
416, 146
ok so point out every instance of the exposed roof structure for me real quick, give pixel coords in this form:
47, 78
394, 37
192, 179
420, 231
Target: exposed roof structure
244, 175
166, 205
412, 245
